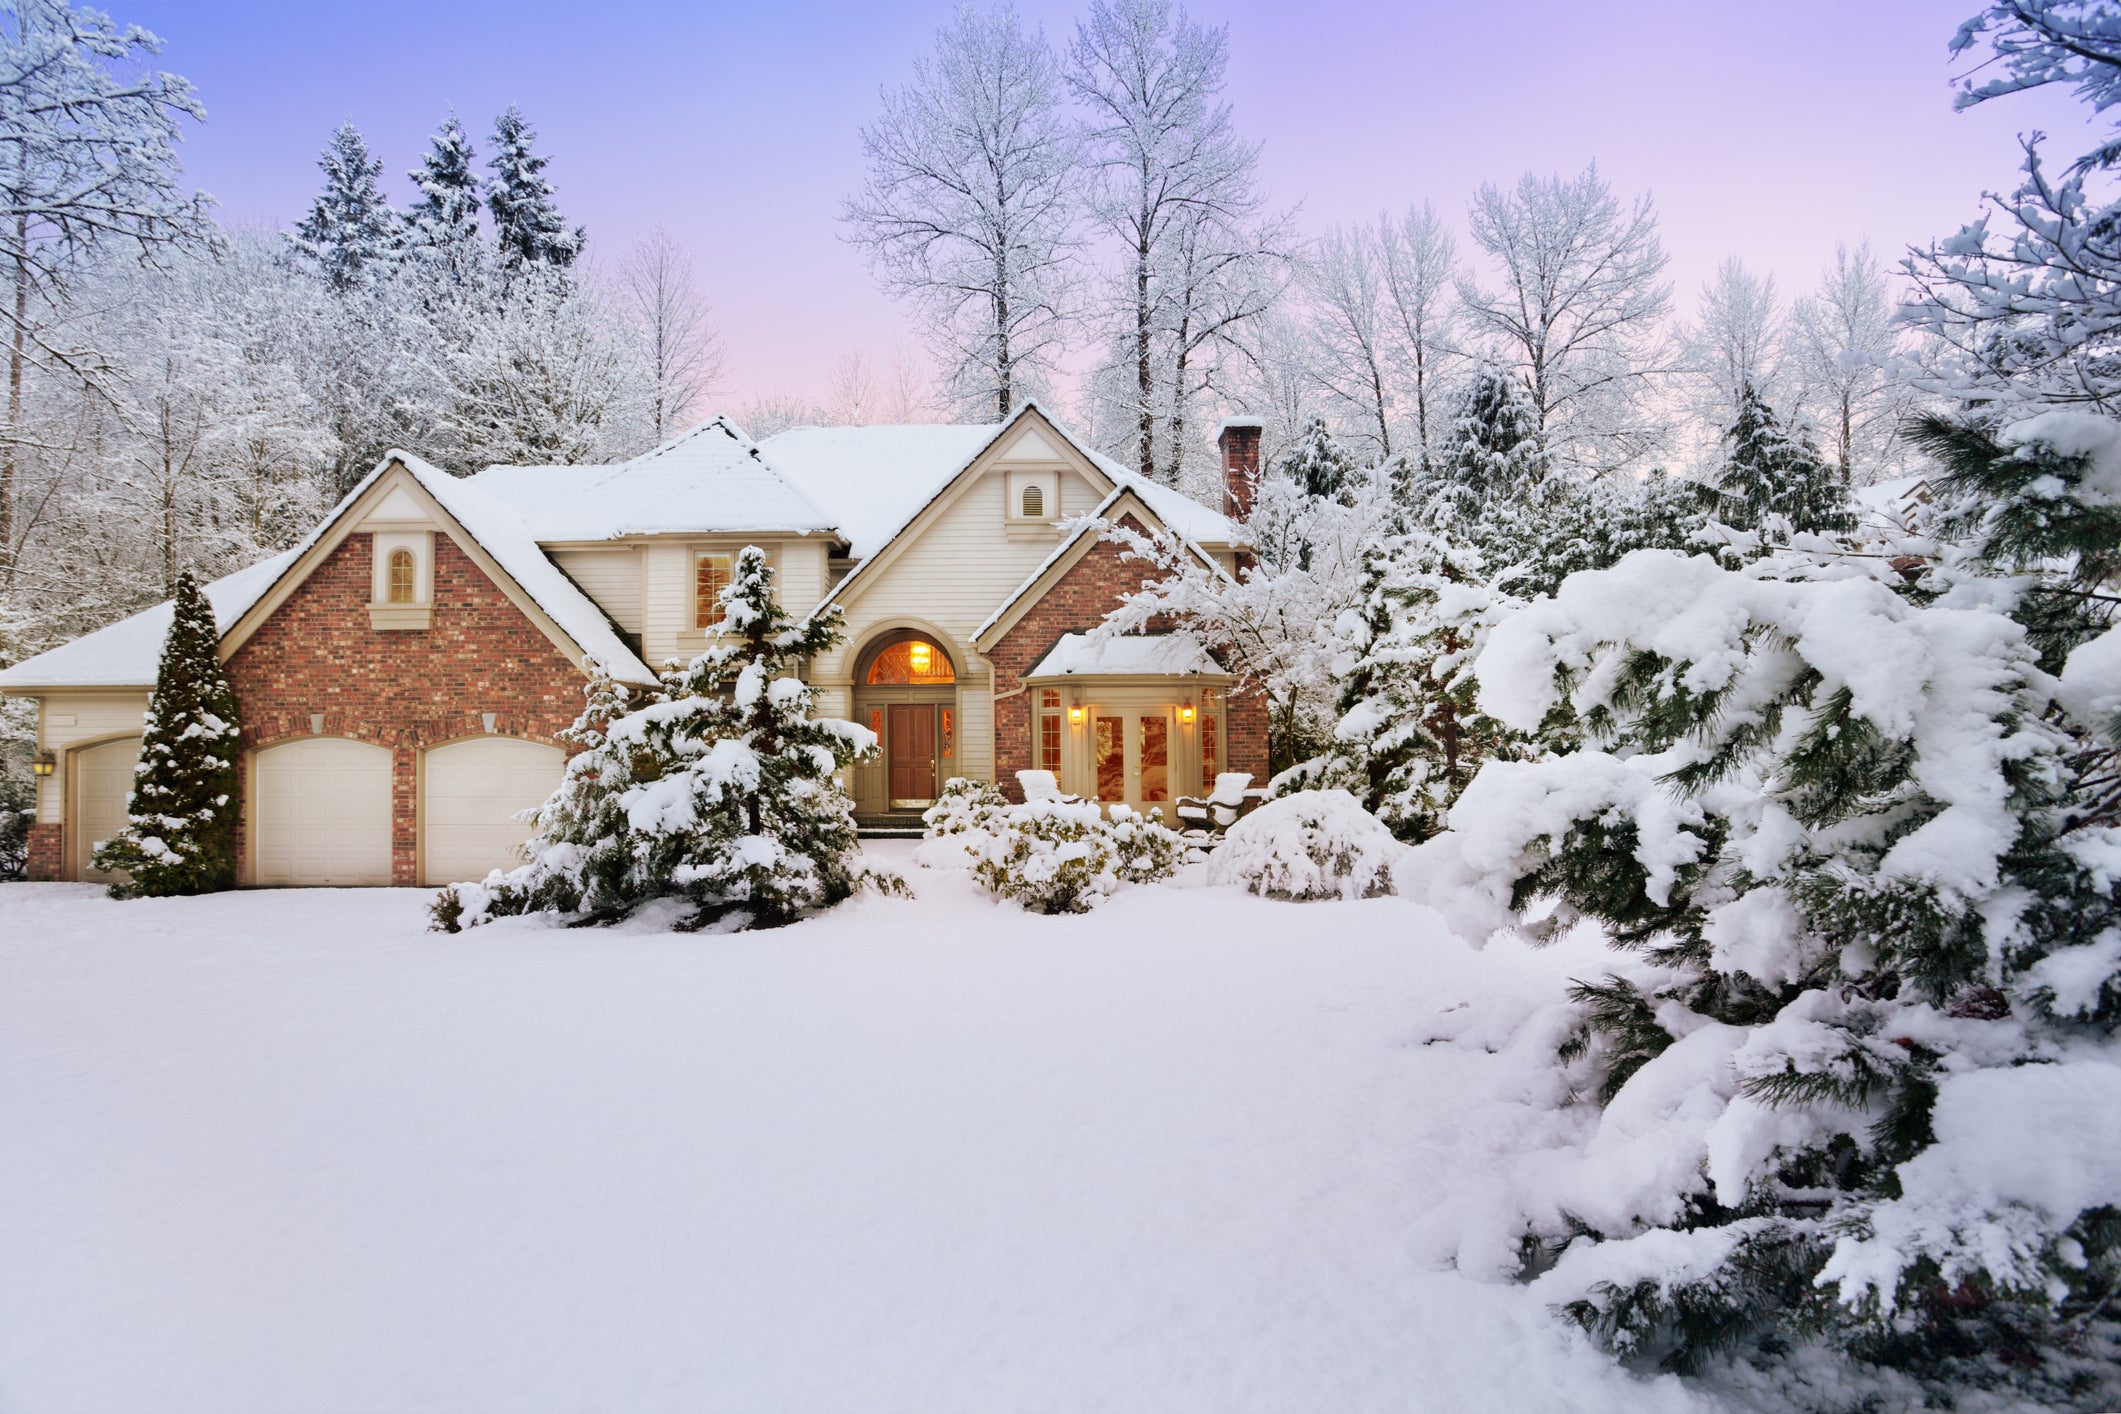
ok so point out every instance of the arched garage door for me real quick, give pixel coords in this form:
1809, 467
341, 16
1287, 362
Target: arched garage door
473, 790
103, 783
323, 812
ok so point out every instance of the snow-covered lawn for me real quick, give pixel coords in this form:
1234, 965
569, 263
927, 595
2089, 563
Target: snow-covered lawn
286, 1151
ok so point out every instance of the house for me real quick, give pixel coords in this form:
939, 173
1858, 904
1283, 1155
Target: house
404, 673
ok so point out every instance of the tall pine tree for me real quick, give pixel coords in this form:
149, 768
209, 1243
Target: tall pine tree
443, 225
351, 231
720, 792
527, 226
180, 836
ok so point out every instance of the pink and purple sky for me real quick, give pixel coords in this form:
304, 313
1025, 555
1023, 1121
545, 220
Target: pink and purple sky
1767, 130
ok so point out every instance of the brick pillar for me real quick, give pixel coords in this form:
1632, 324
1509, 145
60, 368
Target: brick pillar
404, 814
47, 850
1239, 440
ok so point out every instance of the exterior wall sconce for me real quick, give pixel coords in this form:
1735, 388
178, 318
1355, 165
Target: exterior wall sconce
43, 764
1185, 712
1075, 715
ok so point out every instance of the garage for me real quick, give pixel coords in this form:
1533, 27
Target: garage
103, 783
472, 791
323, 813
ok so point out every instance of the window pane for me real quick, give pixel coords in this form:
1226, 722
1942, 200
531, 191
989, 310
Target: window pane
1049, 742
1111, 758
916, 662
401, 589
1049, 697
711, 577
1156, 757
1209, 756
949, 747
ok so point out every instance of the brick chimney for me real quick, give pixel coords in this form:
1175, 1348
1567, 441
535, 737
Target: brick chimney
1239, 439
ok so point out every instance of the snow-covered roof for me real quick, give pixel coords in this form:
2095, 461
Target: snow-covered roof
709, 478
500, 530
125, 654
1146, 655
873, 480
1894, 505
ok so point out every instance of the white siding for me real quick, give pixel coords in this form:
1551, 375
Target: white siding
71, 718
611, 577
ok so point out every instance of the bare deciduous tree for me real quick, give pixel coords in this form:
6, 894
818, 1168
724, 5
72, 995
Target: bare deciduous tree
1843, 348
971, 200
681, 350
1178, 190
1577, 307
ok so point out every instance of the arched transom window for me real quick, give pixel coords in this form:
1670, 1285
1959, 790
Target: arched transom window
401, 585
916, 661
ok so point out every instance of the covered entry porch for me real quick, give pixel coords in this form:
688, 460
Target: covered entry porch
1136, 721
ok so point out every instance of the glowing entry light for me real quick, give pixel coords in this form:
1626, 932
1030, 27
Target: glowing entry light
919, 654
1075, 714
1185, 713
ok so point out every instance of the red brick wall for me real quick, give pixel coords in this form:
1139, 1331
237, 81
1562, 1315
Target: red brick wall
47, 850
1077, 603
401, 688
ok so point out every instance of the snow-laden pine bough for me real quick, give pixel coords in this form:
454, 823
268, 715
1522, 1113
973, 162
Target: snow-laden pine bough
1863, 1082
1314, 844
718, 789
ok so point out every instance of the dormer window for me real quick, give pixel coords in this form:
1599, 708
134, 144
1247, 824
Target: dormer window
404, 578
710, 576
1034, 502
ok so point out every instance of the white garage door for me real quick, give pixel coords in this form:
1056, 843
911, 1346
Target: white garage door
103, 782
473, 791
323, 813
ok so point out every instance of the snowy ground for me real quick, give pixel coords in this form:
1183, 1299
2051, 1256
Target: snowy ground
288, 1152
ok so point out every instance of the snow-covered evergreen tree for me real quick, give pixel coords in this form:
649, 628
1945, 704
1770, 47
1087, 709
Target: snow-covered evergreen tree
1317, 462
351, 232
180, 833
1773, 477
527, 226
442, 227
1861, 834
719, 791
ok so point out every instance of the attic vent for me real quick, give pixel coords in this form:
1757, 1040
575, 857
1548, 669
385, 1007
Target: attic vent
1034, 501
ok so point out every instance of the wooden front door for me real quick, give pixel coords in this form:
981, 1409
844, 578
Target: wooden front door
909, 746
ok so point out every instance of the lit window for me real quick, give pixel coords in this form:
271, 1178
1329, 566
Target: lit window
711, 575
1034, 501
401, 584
915, 661
1049, 697
1049, 741
949, 747
1208, 753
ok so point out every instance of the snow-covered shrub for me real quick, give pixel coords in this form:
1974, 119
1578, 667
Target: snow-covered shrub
1052, 856
1148, 849
964, 806
1315, 844
719, 790
180, 831
1863, 1088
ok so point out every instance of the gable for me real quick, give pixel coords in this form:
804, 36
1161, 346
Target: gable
396, 495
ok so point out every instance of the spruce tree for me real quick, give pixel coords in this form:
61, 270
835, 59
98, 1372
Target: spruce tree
527, 227
351, 231
443, 225
1770, 474
180, 836
1318, 463
719, 791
